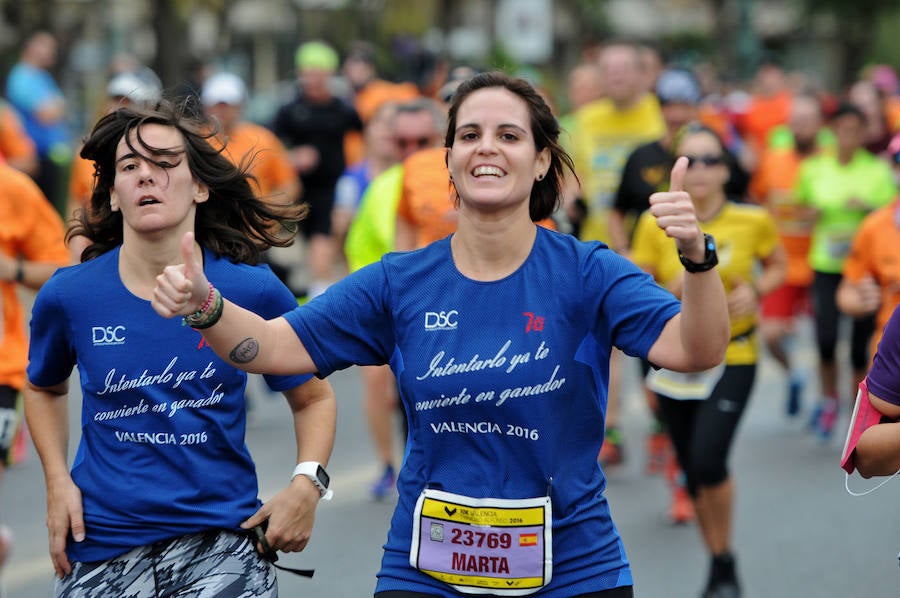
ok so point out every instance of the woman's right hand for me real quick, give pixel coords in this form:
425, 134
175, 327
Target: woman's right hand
64, 514
182, 289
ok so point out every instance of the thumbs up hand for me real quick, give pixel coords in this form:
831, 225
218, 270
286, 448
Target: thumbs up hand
674, 213
182, 289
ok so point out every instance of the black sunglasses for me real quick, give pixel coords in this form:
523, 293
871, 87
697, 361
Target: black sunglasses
707, 160
417, 142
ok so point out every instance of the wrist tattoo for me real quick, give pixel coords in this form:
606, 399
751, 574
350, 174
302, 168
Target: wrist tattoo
245, 351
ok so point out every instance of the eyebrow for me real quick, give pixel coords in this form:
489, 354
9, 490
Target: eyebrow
500, 126
156, 154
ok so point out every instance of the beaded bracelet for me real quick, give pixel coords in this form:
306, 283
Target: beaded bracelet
209, 299
203, 318
198, 315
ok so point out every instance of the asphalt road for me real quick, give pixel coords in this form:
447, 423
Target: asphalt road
797, 532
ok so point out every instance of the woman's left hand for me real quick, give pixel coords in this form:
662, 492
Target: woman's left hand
674, 213
291, 514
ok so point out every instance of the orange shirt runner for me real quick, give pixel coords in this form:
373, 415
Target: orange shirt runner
423, 203
762, 115
874, 253
270, 166
15, 144
366, 102
773, 186
30, 227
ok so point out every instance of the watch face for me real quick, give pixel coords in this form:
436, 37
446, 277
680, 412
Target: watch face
323, 477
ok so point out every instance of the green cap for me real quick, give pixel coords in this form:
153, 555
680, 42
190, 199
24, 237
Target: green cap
316, 55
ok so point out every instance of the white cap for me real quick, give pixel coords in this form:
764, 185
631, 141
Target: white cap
131, 86
223, 88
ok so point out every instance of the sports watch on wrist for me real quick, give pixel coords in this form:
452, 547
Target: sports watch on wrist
710, 257
317, 475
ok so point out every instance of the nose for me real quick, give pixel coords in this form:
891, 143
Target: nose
145, 172
486, 144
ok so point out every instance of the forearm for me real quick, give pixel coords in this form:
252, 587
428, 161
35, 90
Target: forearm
253, 344
878, 450
26, 273
239, 336
704, 327
47, 416
314, 410
773, 274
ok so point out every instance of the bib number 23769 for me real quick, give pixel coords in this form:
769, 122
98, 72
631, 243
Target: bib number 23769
483, 546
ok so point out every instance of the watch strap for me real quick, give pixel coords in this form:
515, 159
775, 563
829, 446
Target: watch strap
309, 470
710, 257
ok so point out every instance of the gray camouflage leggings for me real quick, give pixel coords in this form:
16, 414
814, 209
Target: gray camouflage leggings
217, 563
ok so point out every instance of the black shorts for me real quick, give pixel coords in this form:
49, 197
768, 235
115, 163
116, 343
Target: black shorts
320, 200
10, 418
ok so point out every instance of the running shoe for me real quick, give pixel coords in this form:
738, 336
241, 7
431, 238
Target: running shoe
385, 485
723, 590
827, 419
795, 392
681, 510
723, 581
611, 453
813, 423
658, 449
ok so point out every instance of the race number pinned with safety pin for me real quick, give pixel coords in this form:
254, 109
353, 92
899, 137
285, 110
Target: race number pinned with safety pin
493, 546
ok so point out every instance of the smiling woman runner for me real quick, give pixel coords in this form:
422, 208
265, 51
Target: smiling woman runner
500, 491
162, 494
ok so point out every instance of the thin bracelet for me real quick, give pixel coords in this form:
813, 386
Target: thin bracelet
209, 299
20, 269
198, 315
204, 319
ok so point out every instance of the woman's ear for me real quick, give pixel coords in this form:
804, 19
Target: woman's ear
113, 200
201, 192
542, 163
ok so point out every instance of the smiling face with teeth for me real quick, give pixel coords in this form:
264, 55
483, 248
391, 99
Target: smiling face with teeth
154, 187
493, 159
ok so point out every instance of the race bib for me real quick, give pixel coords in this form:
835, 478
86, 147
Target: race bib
483, 546
687, 386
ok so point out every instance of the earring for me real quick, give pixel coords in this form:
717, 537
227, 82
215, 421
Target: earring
540, 177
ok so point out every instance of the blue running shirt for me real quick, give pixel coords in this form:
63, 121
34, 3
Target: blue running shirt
504, 384
162, 451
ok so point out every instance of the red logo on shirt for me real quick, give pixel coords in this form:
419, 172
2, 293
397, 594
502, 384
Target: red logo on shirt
534, 322
202, 343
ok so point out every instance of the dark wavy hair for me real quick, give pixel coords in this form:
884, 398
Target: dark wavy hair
546, 194
233, 222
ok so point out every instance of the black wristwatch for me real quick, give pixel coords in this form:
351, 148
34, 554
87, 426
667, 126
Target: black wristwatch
710, 257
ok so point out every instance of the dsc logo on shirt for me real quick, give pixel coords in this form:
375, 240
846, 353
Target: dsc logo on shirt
441, 320
108, 335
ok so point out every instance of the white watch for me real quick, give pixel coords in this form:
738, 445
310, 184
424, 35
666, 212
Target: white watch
317, 475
